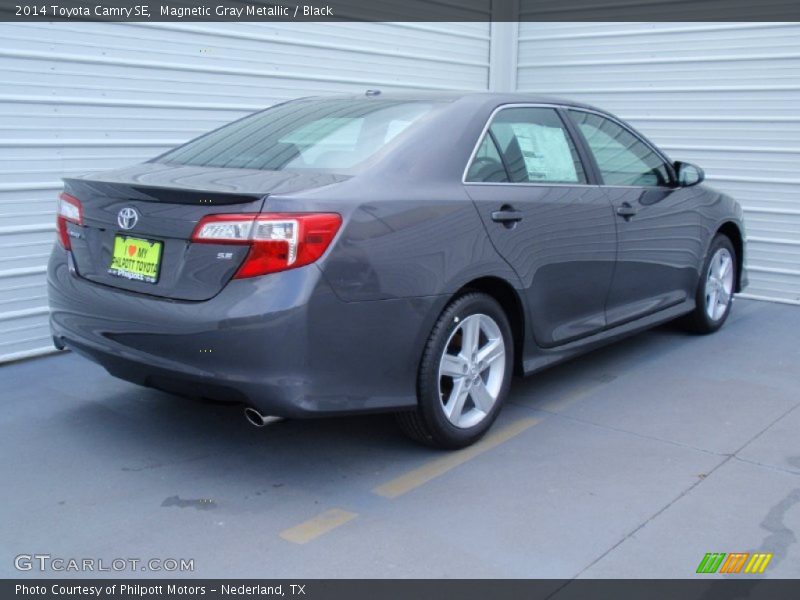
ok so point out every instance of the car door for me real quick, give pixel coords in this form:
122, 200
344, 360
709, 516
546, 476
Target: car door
545, 216
657, 222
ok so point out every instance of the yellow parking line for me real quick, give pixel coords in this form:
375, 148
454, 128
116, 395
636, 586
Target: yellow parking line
317, 526
557, 405
416, 477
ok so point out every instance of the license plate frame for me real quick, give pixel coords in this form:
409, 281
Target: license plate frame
137, 265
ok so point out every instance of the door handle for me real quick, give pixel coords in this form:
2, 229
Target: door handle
506, 215
626, 210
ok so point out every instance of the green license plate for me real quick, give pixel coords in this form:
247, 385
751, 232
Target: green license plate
135, 258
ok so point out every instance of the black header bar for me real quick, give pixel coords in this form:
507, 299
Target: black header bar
399, 10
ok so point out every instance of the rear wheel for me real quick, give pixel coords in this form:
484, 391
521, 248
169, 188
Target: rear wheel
715, 290
464, 374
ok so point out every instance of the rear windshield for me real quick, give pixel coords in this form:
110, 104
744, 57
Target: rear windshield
330, 135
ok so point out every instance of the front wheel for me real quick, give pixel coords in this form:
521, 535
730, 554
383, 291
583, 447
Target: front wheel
464, 374
715, 289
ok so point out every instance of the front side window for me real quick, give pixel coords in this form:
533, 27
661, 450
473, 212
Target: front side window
623, 159
327, 134
532, 145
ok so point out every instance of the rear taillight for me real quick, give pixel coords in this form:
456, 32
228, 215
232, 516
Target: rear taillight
278, 241
69, 210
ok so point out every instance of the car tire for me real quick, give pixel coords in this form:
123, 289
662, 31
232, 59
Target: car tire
714, 296
464, 374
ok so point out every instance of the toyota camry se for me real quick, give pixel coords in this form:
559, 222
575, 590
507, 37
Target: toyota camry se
382, 252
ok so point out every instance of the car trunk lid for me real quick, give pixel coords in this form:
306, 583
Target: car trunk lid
156, 203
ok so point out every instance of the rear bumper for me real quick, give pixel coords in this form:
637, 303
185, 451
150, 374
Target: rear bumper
284, 344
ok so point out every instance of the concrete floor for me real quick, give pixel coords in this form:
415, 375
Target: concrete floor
633, 461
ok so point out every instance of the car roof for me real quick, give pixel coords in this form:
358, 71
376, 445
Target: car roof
476, 98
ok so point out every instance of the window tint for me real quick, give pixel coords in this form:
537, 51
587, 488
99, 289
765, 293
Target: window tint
328, 134
534, 147
487, 164
622, 157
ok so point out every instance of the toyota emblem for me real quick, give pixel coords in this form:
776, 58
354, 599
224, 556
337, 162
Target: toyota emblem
127, 218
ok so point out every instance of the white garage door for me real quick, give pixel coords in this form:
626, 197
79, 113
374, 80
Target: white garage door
83, 96
726, 96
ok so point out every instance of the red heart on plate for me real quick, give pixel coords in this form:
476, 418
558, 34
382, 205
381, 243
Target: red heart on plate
131, 250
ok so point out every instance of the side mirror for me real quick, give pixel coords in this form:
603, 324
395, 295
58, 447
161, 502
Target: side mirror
689, 174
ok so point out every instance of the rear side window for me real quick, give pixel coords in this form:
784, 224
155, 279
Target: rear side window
487, 166
623, 159
329, 134
532, 145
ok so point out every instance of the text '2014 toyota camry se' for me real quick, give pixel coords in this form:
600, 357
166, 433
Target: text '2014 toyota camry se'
404, 253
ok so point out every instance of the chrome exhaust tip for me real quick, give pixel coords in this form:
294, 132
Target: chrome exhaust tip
256, 419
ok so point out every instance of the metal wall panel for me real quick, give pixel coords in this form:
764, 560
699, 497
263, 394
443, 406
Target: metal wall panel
87, 96
723, 95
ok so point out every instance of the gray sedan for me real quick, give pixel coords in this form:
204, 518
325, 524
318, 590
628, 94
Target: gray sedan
383, 252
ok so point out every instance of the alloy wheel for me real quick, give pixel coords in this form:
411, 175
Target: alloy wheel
719, 284
471, 370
